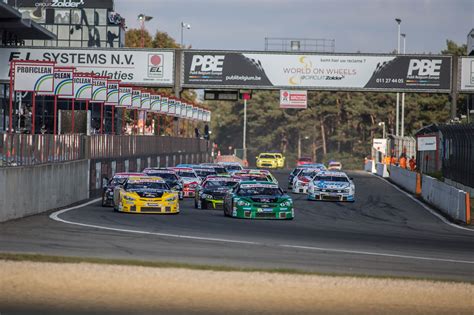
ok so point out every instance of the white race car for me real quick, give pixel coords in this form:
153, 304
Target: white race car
332, 186
302, 179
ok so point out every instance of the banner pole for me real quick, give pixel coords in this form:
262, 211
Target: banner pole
72, 116
136, 121
124, 127
113, 120
55, 115
10, 114
145, 118
101, 117
87, 106
33, 113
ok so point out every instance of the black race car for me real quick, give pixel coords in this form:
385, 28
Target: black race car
108, 189
211, 193
170, 177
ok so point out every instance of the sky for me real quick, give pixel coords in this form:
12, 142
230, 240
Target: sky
356, 25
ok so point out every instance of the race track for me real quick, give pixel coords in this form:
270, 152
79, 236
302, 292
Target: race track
383, 233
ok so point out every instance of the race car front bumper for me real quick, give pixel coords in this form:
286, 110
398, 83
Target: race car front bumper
330, 196
300, 189
213, 203
187, 192
252, 212
149, 206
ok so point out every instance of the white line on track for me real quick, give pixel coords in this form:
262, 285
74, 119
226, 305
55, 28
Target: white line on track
55, 216
430, 210
344, 251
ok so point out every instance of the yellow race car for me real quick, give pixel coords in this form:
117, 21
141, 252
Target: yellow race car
145, 194
270, 160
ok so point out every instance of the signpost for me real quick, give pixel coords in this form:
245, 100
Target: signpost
293, 99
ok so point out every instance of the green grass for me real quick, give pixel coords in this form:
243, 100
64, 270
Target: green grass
160, 264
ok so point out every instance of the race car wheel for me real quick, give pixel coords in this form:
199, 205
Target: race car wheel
196, 204
115, 208
203, 205
227, 214
104, 201
181, 195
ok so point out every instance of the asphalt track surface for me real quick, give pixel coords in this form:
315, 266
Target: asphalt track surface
383, 233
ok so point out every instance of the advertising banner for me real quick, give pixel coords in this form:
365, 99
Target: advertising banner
178, 108
151, 67
195, 113
99, 89
416, 73
164, 105
200, 114
125, 96
467, 74
112, 92
83, 86
63, 82
146, 101
155, 103
31, 76
426, 143
380, 145
189, 111
136, 98
171, 107
293, 99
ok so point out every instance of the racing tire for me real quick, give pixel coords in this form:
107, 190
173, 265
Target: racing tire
104, 203
180, 196
195, 204
225, 211
203, 205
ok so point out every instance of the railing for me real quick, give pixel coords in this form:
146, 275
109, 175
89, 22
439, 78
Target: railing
19, 149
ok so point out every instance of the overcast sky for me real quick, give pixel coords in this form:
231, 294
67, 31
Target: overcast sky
356, 25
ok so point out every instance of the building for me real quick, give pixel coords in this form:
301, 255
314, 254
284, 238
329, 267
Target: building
76, 23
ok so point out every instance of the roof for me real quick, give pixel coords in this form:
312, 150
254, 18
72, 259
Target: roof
15, 26
447, 130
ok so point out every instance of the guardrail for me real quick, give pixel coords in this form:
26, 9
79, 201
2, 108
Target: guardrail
22, 150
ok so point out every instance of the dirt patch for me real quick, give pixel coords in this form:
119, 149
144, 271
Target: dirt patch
96, 288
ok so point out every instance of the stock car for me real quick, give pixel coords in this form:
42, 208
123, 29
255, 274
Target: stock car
218, 168
202, 172
332, 186
211, 193
108, 189
298, 169
231, 167
247, 175
302, 180
189, 178
145, 194
258, 200
171, 178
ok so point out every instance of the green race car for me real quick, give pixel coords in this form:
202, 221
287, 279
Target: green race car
258, 200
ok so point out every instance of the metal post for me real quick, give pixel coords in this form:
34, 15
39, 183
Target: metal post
113, 120
245, 131
454, 88
101, 117
10, 113
397, 120
403, 95
33, 113
468, 106
182, 35
72, 116
384, 134
55, 123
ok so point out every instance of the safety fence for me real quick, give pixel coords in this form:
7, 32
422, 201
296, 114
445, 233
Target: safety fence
23, 150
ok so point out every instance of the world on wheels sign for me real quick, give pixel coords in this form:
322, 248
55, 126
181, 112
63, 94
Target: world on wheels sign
32, 76
355, 72
293, 99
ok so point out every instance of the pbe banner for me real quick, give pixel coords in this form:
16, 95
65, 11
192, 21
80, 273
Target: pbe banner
83, 86
32, 76
208, 69
99, 89
125, 96
152, 67
112, 92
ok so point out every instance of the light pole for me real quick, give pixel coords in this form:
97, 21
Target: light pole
143, 18
244, 144
383, 130
397, 120
403, 94
183, 26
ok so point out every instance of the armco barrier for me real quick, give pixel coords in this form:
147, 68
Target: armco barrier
382, 170
446, 198
29, 190
403, 178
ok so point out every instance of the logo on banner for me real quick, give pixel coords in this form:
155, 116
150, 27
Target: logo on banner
207, 63
155, 65
60, 3
424, 68
293, 99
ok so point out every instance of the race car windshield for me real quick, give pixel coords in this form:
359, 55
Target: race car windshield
267, 156
219, 184
186, 174
117, 181
220, 170
233, 167
260, 191
166, 176
146, 186
309, 173
204, 173
304, 160
253, 177
332, 179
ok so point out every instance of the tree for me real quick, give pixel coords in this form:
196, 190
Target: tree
133, 38
454, 49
